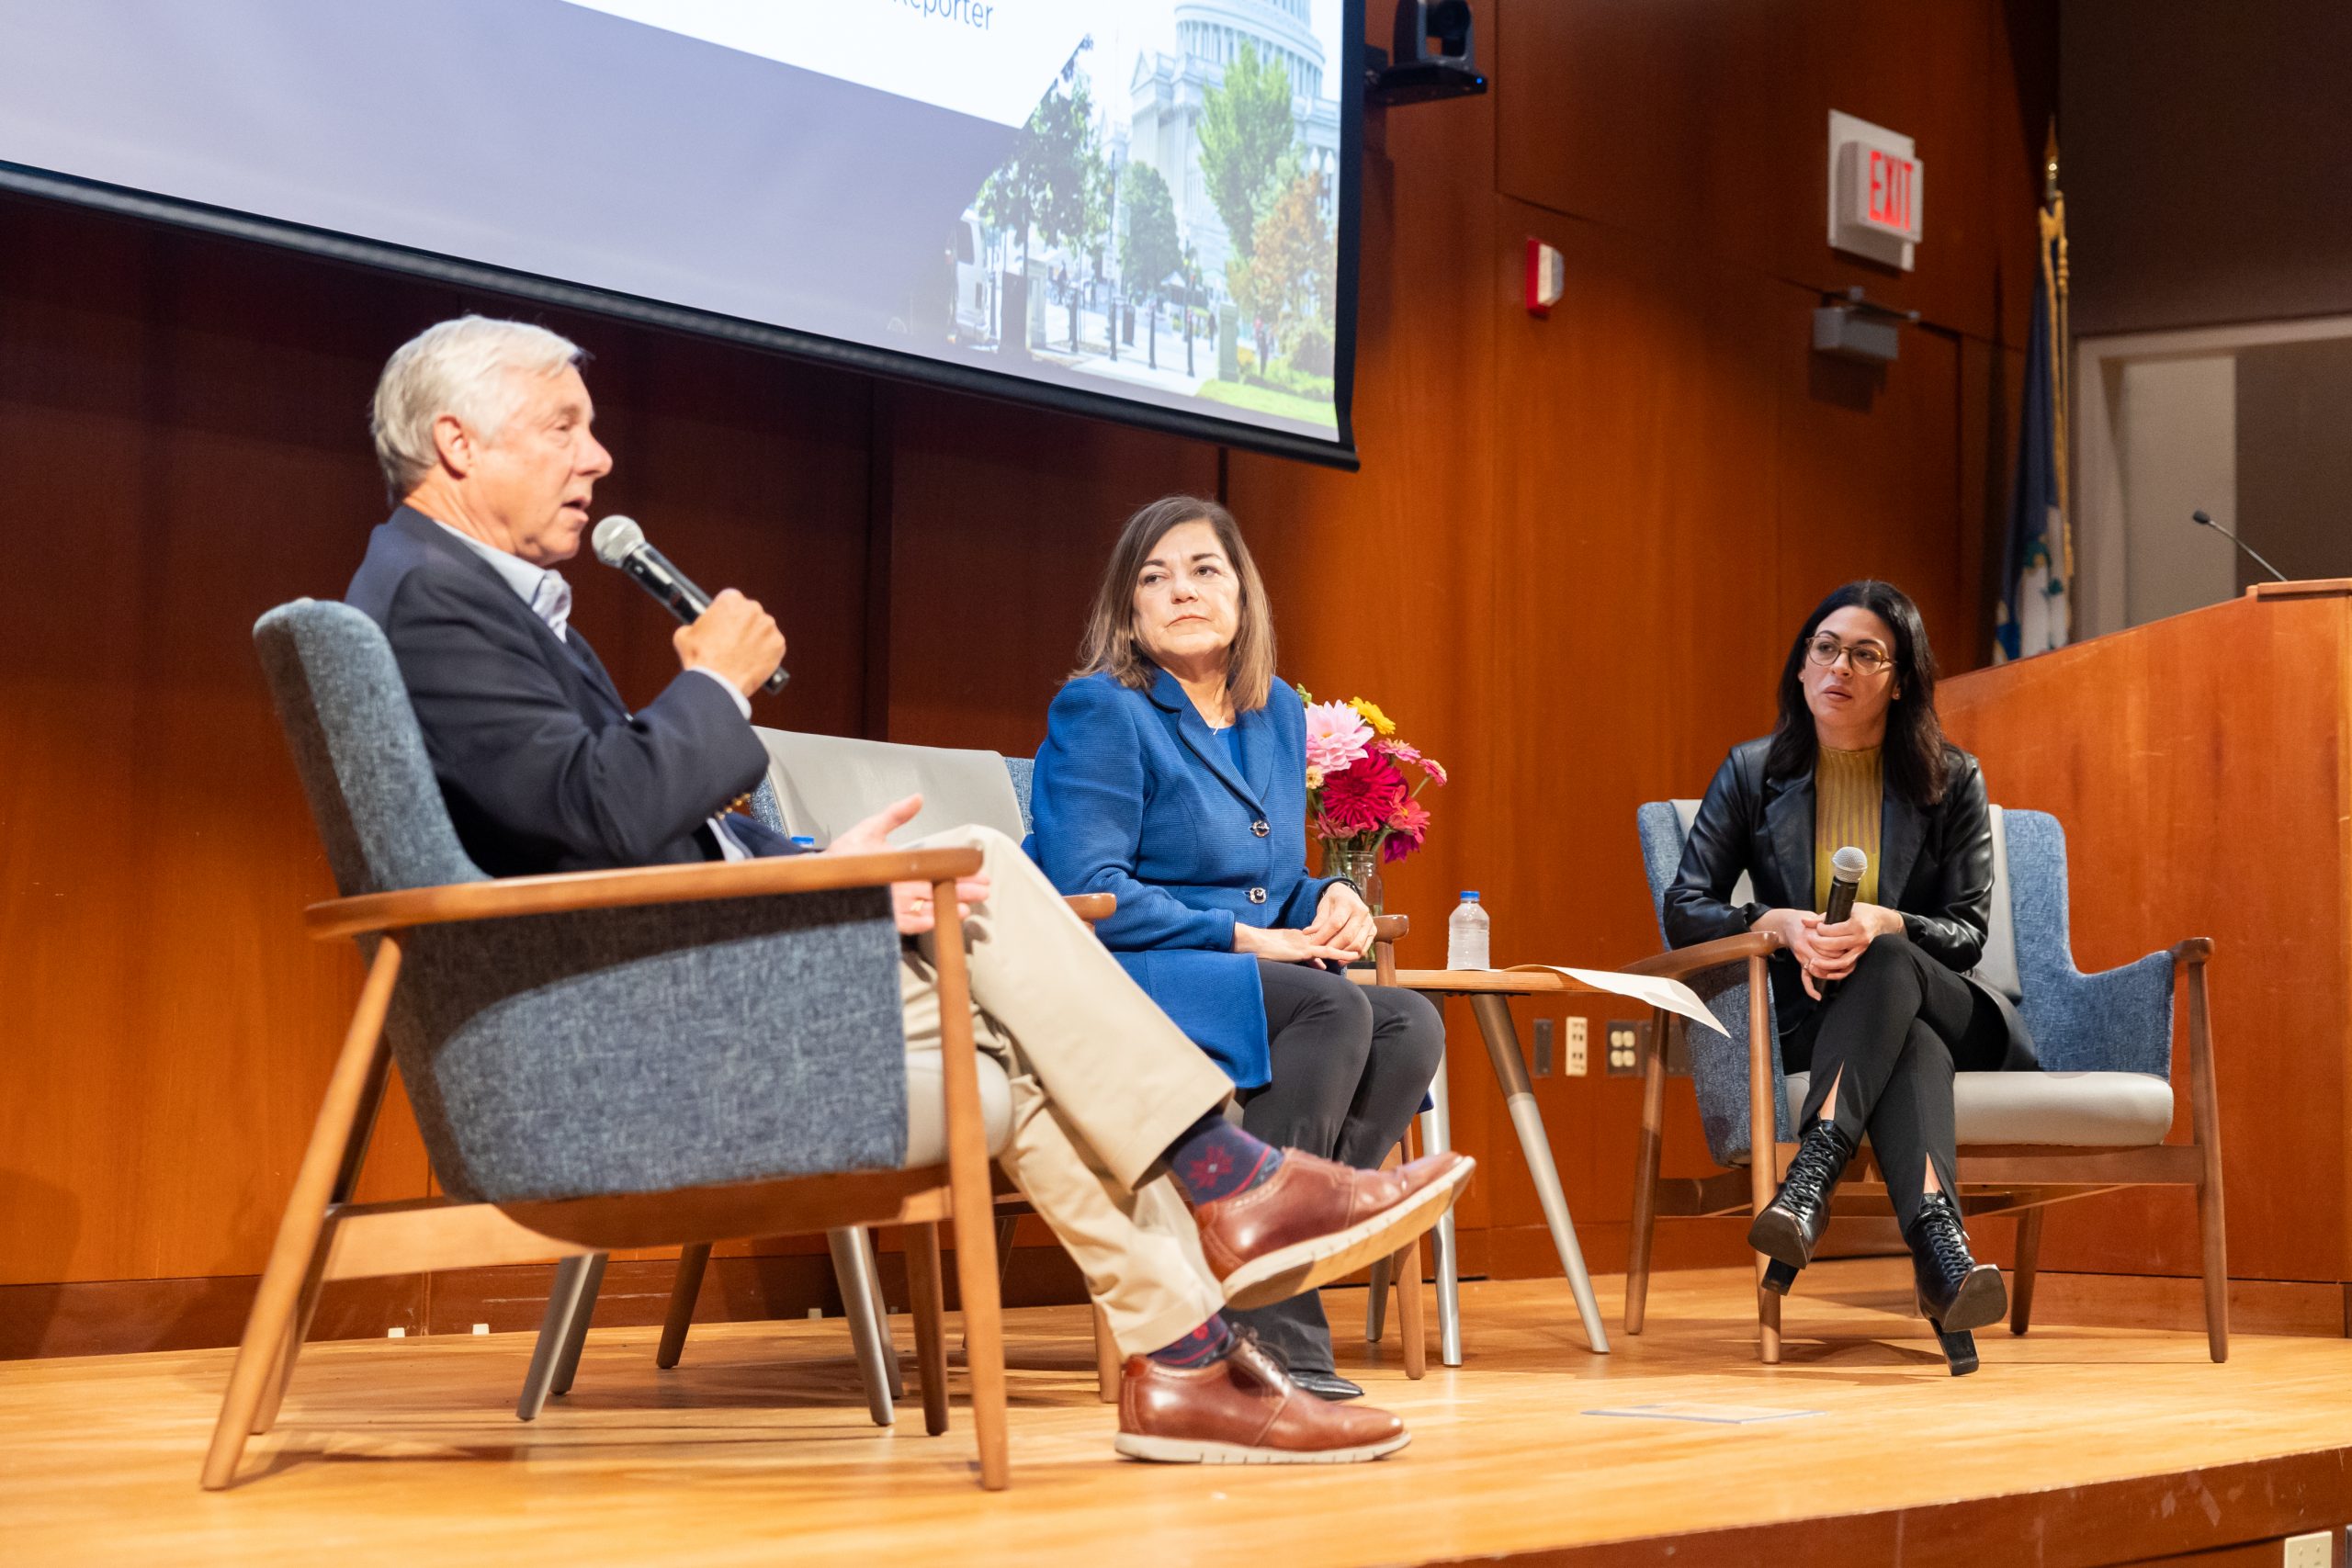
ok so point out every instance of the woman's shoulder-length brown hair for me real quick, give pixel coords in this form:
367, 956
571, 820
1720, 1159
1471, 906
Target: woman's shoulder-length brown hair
1110, 647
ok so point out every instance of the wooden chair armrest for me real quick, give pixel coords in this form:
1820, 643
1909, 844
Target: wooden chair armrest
2196, 950
1390, 928
1093, 907
571, 891
1677, 962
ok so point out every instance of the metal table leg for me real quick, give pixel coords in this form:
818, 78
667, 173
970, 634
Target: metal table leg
1502, 1049
1437, 1133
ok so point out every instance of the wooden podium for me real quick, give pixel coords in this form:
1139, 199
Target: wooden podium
2199, 764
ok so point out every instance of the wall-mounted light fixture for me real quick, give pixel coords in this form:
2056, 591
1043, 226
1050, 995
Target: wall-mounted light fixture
1851, 327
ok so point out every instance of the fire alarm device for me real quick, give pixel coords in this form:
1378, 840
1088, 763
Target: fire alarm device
1547, 277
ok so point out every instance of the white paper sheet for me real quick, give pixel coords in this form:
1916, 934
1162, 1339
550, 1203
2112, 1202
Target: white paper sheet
1709, 1414
1671, 995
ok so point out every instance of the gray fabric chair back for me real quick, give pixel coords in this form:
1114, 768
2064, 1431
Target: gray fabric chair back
1718, 1064
356, 747
612, 1051
826, 783
2118, 1021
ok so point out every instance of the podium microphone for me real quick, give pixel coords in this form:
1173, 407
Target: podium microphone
1845, 868
2204, 519
620, 541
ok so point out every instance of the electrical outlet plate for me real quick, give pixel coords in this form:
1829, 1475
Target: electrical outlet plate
1542, 1047
1624, 1048
2307, 1550
1575, 1065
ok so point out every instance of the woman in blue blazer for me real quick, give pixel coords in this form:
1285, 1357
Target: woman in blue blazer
1174, 776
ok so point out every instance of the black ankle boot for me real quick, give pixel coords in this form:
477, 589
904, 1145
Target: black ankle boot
1956, 1294
1790, 1226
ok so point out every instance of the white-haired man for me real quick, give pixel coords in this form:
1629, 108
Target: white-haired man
484, 431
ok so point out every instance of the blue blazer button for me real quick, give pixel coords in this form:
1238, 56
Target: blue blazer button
1259, 828
1257, 895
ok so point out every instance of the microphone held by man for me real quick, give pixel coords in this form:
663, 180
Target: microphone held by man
729, 635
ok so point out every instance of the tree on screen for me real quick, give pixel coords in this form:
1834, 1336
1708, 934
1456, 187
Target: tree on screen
1151, 248
1246, 131
1054, 184
1294, 275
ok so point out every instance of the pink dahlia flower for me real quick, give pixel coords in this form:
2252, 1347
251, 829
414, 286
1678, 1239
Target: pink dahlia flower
1361, 799
1336, 736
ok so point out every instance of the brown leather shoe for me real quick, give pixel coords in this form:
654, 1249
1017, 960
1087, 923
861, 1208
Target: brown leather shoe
1242, 1410
1314, 1220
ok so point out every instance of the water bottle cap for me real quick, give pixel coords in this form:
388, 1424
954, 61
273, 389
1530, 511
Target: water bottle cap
1470, 894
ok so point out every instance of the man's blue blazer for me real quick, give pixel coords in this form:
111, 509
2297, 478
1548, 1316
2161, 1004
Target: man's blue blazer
543, 766
1134, 797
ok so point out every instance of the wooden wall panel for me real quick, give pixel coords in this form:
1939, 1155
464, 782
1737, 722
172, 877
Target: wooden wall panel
2198, 764
1000, 520
1707, 127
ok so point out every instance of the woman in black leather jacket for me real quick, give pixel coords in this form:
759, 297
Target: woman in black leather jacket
1879, 1007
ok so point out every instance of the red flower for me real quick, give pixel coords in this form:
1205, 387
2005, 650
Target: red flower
1359, 798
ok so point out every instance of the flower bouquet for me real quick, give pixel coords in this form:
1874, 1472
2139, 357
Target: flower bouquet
1364, 806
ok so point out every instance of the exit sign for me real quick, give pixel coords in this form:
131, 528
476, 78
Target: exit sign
1888, 186
1876, 191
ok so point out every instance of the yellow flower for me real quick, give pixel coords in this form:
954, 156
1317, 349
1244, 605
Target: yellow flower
1382, 725
1314, 776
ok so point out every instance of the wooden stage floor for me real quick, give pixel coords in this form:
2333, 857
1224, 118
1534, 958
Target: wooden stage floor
2071, 1445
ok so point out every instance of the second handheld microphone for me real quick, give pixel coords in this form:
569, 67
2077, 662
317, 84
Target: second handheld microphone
620, 541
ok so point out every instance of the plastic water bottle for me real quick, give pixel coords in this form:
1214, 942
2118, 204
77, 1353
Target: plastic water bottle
1465, 935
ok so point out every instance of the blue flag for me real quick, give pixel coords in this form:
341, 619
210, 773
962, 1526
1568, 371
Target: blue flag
2033, 615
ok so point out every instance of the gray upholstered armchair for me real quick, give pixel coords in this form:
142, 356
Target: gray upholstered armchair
612, 1059
2095, 1120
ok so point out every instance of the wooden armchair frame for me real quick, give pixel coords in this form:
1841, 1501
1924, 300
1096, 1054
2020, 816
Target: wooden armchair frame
325, 1235
2008, 1178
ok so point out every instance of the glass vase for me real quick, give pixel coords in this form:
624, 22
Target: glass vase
1359, 866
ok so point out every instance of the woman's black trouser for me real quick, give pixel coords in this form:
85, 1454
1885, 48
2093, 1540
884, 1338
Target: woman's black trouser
1351, 1064
1889, 1038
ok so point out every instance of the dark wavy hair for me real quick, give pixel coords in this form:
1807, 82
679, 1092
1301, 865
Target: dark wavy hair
1915, 753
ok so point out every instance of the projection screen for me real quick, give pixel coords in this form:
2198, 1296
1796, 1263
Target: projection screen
1143, 210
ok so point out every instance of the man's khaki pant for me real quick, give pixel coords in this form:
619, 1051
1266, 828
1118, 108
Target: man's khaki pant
1101, 1083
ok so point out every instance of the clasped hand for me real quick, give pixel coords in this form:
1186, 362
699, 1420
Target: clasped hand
1826, 952
1341, 932
909, 901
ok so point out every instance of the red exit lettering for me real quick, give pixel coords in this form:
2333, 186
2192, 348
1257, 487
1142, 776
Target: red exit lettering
1890, 190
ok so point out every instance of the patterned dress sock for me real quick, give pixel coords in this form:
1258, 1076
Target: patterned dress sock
1212, 1341
1214, 1159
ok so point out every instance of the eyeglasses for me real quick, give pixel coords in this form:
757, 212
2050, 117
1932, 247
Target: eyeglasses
1867, 659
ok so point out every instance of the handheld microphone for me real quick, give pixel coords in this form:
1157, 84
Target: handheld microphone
620, 541
1845, 868
2204, 519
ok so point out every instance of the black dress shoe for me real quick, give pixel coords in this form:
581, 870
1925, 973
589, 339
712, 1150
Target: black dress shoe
1326, 1385
1790, 1226
1955, 1292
